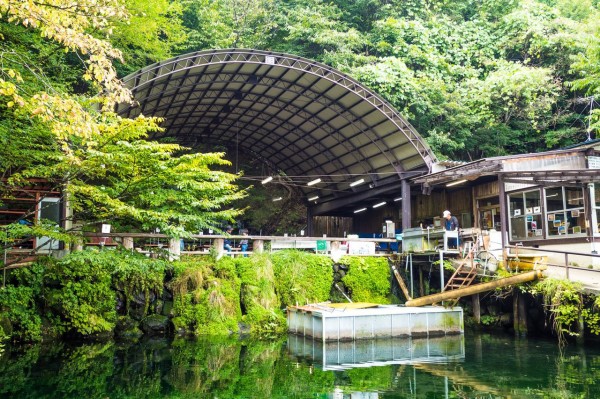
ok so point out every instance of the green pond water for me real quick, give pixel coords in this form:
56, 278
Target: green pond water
469, 366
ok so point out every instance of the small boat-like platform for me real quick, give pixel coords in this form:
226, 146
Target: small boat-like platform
346, 322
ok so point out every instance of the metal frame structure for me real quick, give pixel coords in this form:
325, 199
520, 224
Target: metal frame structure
300, 117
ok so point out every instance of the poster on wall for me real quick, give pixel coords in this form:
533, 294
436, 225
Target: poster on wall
551, 217
537, 209
575, 213
529, 210
517, 212
538, 232
361, 247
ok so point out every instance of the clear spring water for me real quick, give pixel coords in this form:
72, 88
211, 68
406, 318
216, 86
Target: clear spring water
470, 366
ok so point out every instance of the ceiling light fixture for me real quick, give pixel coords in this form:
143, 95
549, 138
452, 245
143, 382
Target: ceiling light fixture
268, 179
313, 198
454, 183
356, 183
313, 182
360, 210
277, 199
379, 204
397, 199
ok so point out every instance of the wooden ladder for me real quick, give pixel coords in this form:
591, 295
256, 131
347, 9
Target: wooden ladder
462, 278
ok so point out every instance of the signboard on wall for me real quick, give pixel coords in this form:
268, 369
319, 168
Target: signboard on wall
361, 247
594, 162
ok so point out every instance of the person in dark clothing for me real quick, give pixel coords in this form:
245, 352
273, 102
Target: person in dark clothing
451, 224
227, 241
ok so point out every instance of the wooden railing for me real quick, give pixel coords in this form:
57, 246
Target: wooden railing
200, 244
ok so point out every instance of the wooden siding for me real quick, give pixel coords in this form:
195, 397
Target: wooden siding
486, 190
426, 207
333, 226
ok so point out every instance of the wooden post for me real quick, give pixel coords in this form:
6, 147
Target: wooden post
128, 242
421, 284
476, 308
218, 244
335, 246
519, 313
174, 248
401, 283
258, 246
580, 339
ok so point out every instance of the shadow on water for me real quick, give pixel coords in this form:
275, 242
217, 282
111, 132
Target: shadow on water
469, 366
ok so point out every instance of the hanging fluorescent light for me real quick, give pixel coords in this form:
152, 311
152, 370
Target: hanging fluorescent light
397, 199
356, 183
313, 182
313, 198
379, 204
277, 199
454, 183
268, 179
360, 210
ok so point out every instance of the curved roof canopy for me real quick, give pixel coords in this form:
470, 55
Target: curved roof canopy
304, 119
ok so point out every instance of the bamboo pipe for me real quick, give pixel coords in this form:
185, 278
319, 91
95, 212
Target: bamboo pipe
475, 289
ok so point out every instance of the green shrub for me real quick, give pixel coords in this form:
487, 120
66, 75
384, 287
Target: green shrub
20, 301
368, 279
80, 292
258, 297
206, 297
302, 277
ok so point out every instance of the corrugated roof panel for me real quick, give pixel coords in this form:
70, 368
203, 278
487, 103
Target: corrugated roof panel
283, 105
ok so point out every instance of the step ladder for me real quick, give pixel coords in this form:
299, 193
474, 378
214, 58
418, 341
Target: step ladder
462, 278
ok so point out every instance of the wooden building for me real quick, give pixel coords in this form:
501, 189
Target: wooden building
543, 200
35, 201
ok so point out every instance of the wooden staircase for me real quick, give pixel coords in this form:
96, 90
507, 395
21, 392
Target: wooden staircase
462, 278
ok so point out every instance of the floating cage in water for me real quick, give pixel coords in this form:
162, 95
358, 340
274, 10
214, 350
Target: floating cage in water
331, 322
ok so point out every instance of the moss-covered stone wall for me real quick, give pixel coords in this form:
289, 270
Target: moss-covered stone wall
101, 294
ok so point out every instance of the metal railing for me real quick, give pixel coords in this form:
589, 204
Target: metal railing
568, 265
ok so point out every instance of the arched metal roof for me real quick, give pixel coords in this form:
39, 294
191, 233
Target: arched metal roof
303, 118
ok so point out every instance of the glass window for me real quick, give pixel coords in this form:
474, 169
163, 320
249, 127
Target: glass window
554, 199
525, 216
532, 202
565, 211
574, 197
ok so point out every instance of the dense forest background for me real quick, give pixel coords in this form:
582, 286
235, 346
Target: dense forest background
477, 78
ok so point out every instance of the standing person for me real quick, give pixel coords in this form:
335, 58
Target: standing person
451, 224
227, 241
244, 242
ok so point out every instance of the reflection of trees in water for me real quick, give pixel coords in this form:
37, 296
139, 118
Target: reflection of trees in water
202, 366
230, 368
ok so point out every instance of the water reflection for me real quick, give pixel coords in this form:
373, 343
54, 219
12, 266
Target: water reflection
369, 353
470, 366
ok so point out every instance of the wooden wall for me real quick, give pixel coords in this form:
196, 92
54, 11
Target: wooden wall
425, 207
333, 226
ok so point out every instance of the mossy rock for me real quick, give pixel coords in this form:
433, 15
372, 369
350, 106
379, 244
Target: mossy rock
167, 309
128, 328
368, 279
155, 324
